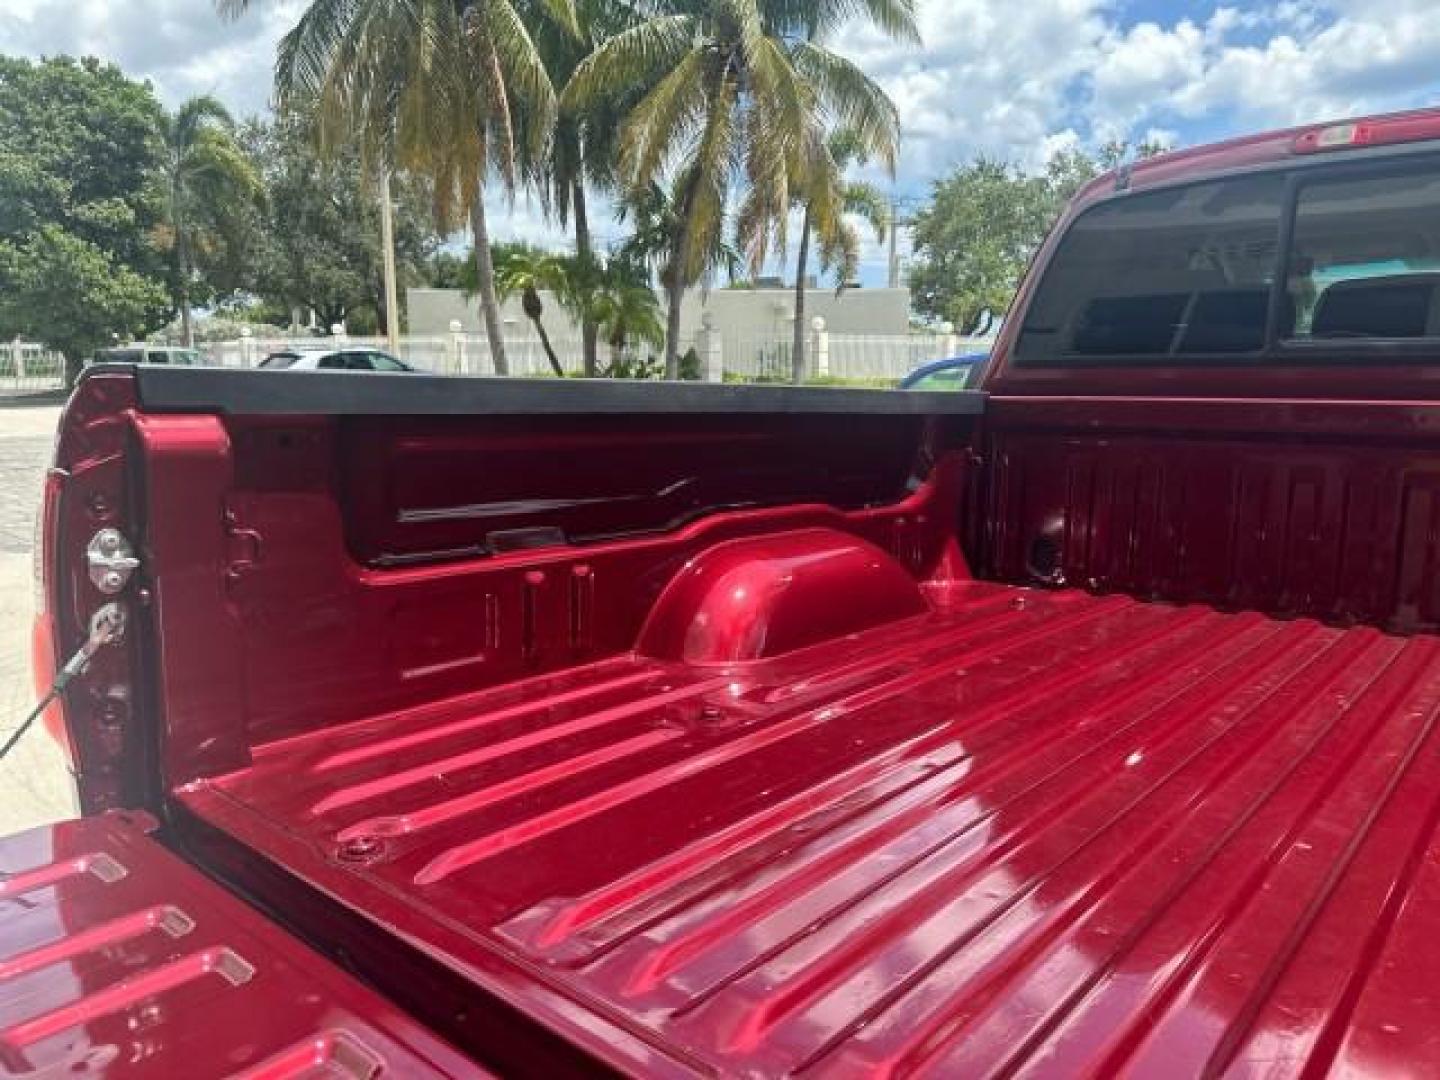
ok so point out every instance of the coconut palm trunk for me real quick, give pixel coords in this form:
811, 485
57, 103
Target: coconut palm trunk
182, 258
675, 295
187, 318
554, 360
535, 311
797, 348
485, 279
585, 249
675, 281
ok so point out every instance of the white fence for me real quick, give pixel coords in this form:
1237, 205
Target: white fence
845, 358
27, 368
446, 354
735, 355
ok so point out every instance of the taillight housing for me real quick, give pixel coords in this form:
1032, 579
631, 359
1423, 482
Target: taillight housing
45, 660
85, 493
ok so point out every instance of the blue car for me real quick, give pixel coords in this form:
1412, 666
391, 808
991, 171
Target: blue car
951, 373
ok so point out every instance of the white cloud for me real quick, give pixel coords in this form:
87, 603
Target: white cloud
1142, 65
1002, 78
1015, 79
994, 77
999, 77
182, 46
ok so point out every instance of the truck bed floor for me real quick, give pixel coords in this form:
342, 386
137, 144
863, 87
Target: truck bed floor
1042, 833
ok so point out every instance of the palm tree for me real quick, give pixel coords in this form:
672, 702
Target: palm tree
583, 149
203, 167
618, 301
432, 86
653, 214
528, 271
735, 89
827, 199
627, 314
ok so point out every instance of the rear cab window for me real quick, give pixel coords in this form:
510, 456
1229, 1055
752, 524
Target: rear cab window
1364, 261
1191, 275
1182, 272
279, 361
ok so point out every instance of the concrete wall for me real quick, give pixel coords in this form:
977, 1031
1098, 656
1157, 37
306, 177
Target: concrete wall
740, 314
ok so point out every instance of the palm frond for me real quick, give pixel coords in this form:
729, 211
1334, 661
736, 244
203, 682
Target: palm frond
563, 14
232, 9
499, 24
896, 19
670, 114
869, 203
853, 101
637, 55
840, 255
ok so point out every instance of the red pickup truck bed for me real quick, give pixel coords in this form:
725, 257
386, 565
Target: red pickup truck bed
1031, 832
1081, 726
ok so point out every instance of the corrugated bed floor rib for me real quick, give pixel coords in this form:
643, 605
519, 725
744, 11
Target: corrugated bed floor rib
1035, 833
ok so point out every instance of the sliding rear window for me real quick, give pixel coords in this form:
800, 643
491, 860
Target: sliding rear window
1187, 275
1365, 261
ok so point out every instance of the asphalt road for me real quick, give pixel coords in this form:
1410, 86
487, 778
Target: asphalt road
35, 786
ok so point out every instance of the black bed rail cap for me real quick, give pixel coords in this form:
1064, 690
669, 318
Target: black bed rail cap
318, 393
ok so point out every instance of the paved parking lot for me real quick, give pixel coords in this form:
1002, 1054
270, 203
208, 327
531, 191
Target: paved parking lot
34, 784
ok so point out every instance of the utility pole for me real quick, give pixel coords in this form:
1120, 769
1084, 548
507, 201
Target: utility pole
387, 241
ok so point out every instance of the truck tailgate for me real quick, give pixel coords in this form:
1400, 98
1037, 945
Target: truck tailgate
1035, 832
119, 960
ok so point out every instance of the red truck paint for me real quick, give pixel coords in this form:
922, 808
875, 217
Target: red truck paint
1095, 735
1039, 832
119, 960
1328, 506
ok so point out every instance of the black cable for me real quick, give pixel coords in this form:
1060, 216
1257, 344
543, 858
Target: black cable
75, 666
29, 721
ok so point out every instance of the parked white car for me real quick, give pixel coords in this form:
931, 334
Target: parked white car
349, 358
148, 354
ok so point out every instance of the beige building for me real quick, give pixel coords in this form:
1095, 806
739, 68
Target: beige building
867, 334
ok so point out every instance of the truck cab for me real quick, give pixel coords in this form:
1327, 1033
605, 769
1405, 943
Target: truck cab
1084, 723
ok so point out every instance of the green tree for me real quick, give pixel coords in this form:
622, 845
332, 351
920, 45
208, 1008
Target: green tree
314, 242
735, 91
627, 314
432, 86
73, 296
79, 206
613, 294
527, 271
654, 217
972, 243
984, 221
203, 171
447, 270
617, 299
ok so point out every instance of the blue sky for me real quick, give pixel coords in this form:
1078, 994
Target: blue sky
1014, 79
